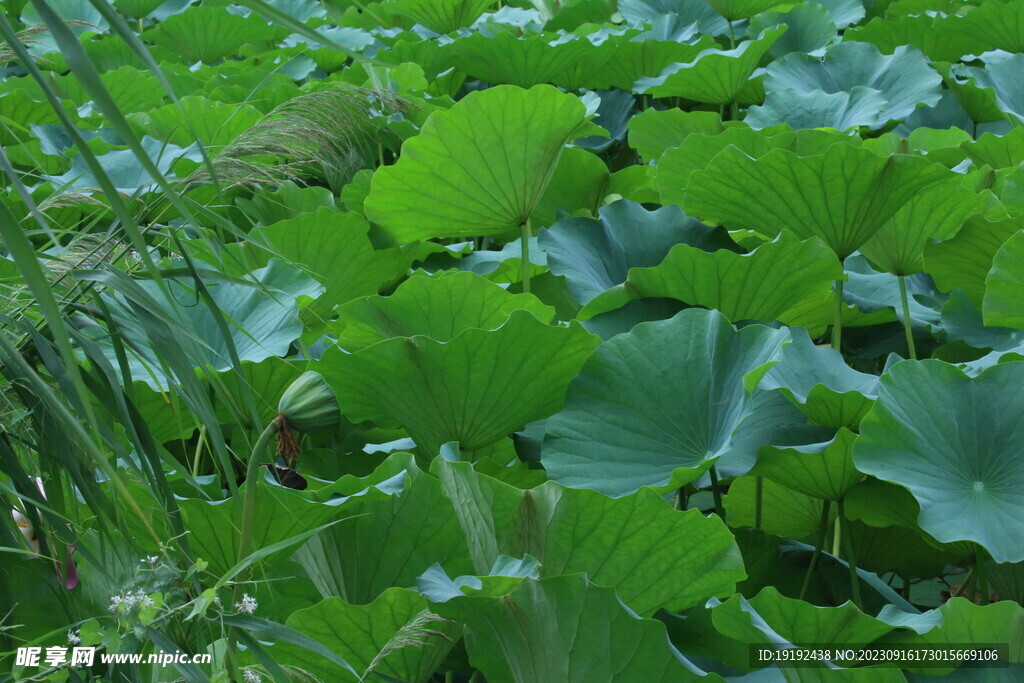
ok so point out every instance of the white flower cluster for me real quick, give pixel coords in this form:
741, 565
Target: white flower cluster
251, 676
150, 560
74, 638
129, 601
248, 605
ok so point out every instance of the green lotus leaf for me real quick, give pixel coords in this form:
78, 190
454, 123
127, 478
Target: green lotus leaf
479, 168
18, 111
964, 261
266, 381
998, 25
965, 622
282, 513
505, 265
860, 106
636, 59
441, 16
844, 12
438, 307
997, 151
132, 89
670, 394
596, 254
263, 313
907, 551
513, 375
713, 76
653, 131
540, 632
875, 292
525, 61
137, 9
208, 34
741, 9
213, 123
785, 280
1002, 74
571, 531
578, 184
935, 214
361, 633
784, 512
951, 441
904, 79
674, 14
124, 169
335, 249
1002, 305
810, 27
822, 470
797, 621
399, 524
978, 102
81, 15
820, 383
934, 36
844, 195
696, 151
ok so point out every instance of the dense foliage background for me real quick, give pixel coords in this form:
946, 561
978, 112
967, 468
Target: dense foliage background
643, 332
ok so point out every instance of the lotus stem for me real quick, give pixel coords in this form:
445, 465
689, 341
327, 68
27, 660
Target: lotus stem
716, 492
851, 559
968, 580
758, 501
905, 303
734, 111
732, 37
982, 583
681, 499
822, 537
837, 320
249, 493
525, 254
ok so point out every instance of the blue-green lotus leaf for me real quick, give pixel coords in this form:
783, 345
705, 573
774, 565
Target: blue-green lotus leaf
954, 442
714, 76
658, 405
903, 78
596, 254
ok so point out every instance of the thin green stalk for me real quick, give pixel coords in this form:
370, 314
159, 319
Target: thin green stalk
906, 588
837, 319
822, 539
250, 492
968, 580
734, 111
732, 37
199, 451
905, 303
525, 253
716, 492
681, 499
758, 501
982, 582
851, 559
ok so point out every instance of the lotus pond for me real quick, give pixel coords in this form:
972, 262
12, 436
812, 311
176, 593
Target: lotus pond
511, 340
